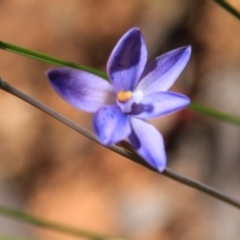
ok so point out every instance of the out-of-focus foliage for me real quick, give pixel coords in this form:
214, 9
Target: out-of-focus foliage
63, 176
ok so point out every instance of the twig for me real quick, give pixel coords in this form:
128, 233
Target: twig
229, 8
130, 155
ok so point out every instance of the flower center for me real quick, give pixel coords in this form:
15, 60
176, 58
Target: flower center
123, 96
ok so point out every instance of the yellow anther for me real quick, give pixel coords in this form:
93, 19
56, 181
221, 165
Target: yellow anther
123, 96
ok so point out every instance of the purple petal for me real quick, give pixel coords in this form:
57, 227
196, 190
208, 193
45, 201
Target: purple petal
158, 104
111, 125
148, 143
127, 61
81, 89
160, 74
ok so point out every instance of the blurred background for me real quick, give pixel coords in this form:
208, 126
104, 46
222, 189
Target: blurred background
53, 172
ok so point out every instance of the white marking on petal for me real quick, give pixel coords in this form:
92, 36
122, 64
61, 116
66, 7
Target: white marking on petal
137, 96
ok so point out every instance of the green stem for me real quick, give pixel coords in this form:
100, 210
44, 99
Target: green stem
229, 8
27, 218
47, 58
60, 62
214, 113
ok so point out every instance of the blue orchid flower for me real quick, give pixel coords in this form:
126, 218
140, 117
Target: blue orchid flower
135, 93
